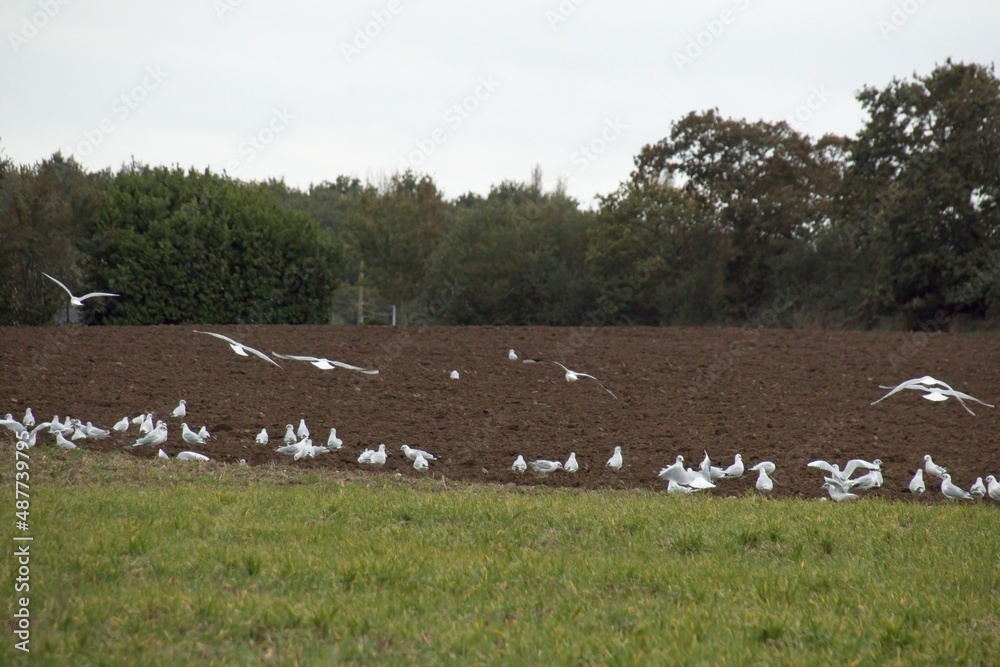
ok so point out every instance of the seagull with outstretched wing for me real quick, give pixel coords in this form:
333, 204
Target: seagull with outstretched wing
571, 375
326, 364
239, 348
78, 300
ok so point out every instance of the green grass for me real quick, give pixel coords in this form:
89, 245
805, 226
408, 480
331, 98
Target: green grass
165, 563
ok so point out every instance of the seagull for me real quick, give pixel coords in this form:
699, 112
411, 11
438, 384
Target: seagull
420, 463
615, 462
764, 483
917, 483
454, 375
326, 364
243, 462
157, 436
735, 470
366, 456
870, 480
978, 489
94, 432
412, 454
295, 448
121, 426
379, 457
571, 376
290, 434
63, 442
12, 425
261, 438
333, 442
934, 390
571, 465
240, 348
766, 466
992, 487
190, 436
848, 470
678, 473
932, 468
303, 430
77, 301
192, 456
512, 355
180, 410
674, 487
203, 433
137, 420
519, 465
29, 419
952, 491
162, 455
545, 467
147, 424
708, 471
837, 491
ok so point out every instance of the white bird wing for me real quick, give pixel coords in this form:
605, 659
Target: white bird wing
58, 283
823, 465
241, 345
924, 383
90, 294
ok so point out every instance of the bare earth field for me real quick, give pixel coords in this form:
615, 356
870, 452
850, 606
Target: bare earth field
779, 395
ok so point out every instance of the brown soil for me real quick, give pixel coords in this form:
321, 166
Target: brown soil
779, 395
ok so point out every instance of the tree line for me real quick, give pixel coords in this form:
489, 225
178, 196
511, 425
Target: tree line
723, 221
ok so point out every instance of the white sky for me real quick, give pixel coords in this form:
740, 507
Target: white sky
262, 88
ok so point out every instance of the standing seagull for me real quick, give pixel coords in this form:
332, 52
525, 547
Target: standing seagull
932, 468
240, 348
122, 425
77, 301
519, 465
180, 410
420, 463
571, 375
190, 436
978, 489
615, 462
764, 483
29, 419
333, 442
303, 430
735, 470
953, 491
261, 438
512, 355
917, 483
992, 487
571, 465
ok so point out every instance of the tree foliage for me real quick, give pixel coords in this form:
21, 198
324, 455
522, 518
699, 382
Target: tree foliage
199, 247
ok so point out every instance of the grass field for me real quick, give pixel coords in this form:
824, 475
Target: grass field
140, 563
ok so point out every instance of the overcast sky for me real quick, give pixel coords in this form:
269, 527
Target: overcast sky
472, 93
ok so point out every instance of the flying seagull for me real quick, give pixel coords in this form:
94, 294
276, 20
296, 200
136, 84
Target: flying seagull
571, 375
326, 364
77, 300
934, 390
240, 348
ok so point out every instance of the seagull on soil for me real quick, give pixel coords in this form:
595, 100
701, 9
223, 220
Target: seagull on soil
993, 487
157, 436
203, 433
571, 465
678, 473
512, 355
953, 491
766, 466
326, 364
837, 490
303, 430
147, 424
290, 434
674, 487
519, 465
29, 419
933, 469
544, 466
333, 442
95, 432
978, 489
63, 442
77, 301
239, 348
379, 457
162, 455
420, 463
454, 375
934, 390
917, 483
366, 456
190, 436
181, 409
615, 462
736, 469
764, 483
571, 375
191, 456
261, 438
412, 454
121, 426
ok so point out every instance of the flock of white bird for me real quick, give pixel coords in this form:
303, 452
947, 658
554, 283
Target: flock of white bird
840, 483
